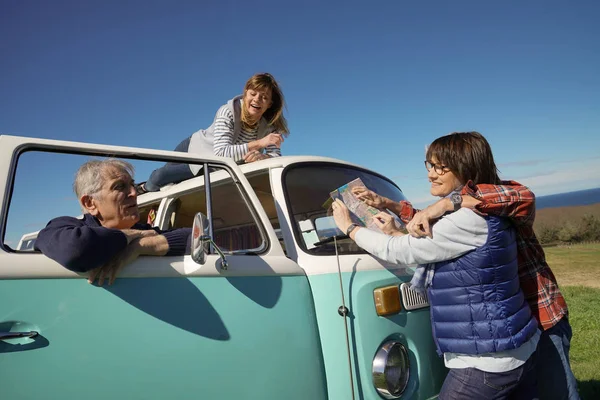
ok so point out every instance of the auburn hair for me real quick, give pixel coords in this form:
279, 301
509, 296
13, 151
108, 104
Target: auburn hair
274, 114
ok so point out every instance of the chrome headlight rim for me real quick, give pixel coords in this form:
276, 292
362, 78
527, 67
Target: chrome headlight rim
380, 369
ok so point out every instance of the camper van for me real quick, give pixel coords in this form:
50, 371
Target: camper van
272, 303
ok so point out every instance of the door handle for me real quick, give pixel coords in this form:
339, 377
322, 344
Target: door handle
17, 335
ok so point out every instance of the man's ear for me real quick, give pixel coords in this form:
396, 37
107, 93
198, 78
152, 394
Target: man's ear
89, 204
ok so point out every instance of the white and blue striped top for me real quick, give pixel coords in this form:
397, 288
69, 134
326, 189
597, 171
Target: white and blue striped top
223, 131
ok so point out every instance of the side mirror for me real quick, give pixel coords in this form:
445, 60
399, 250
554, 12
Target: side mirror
201, 242
200, 239
326, 228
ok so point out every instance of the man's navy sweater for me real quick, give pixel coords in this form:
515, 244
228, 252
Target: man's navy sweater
84, 244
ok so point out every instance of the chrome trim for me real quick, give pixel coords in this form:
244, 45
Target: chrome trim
17, 335
224, 264
380, 362
411, 299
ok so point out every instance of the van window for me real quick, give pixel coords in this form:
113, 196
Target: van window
235, 225
42, 189
261, 184
307, 189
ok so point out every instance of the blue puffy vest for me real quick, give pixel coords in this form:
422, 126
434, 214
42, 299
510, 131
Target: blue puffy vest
477, 305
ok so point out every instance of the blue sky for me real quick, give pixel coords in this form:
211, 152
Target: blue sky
368, 82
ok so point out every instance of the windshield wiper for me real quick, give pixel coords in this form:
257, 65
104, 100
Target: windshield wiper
331, 239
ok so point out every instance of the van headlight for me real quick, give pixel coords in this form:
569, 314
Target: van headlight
391, 369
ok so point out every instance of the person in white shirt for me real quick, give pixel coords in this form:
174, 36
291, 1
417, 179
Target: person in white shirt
481, 323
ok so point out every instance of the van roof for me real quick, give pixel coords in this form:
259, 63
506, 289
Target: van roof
247, 169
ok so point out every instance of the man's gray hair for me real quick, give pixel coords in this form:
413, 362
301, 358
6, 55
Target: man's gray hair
89, 178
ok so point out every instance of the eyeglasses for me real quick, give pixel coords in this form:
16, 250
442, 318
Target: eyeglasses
438, 168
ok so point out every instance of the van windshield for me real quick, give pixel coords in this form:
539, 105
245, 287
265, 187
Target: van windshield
308, 189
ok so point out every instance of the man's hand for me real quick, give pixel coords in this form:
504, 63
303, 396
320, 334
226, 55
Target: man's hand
153, 244
369, 197
421, 223
113, 267
419, 226
387, 224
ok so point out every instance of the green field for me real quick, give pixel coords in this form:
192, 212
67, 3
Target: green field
575, 265
577, 269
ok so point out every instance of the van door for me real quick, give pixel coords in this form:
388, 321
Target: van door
168, 327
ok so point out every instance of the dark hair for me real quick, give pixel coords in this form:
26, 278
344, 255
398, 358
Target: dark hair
468, 155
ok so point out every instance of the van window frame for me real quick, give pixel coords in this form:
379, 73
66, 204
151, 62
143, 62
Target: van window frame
266, 244
63, 148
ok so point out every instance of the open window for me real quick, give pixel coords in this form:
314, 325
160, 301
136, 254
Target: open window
235, 226
40, 193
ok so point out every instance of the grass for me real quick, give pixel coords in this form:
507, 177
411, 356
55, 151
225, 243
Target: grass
577, 269
576, 265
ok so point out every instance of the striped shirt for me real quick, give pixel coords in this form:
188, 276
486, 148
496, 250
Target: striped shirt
538, 283
223, 137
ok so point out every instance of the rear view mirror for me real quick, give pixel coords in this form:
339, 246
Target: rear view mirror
201, 241
326, 228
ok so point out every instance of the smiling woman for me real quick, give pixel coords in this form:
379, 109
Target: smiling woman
250, 127
491, 338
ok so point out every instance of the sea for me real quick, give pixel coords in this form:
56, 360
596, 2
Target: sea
578, 198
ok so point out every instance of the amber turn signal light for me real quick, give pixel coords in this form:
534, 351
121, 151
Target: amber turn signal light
387, 300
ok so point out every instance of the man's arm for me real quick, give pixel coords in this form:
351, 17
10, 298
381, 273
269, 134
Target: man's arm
177, 238
455, 235
77, 246
173, 242
178, 241
510, 199
150, 246
402, 209
80, 247
421, 223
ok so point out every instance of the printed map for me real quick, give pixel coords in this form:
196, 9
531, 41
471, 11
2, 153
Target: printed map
360, 213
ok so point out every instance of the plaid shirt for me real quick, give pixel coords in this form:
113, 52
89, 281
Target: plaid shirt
538, 283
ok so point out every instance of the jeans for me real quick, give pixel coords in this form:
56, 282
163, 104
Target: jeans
170, 172
471, 383
556, 380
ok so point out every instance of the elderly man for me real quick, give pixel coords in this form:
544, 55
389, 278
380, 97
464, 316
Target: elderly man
108, 237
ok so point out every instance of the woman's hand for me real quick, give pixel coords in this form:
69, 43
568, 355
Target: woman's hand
254, 155
420, 224
272, 139
369, 197
386, 223
341, 215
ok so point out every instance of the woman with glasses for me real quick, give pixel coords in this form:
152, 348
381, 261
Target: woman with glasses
481, 323
250, 127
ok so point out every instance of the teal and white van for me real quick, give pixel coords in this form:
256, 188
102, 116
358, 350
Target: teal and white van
271, 305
